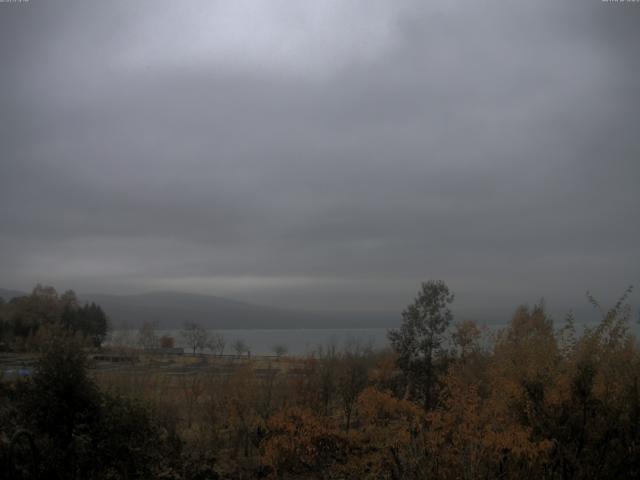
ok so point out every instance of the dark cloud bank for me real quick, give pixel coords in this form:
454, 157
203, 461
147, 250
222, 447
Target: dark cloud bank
322, 155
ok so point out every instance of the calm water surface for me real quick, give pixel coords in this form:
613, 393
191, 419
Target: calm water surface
296, 341
303, 341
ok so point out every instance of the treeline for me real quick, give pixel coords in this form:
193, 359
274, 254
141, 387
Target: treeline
450, 400
58, 424
455, 402
25, 320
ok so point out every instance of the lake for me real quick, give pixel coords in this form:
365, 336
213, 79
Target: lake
297, 341
305, 340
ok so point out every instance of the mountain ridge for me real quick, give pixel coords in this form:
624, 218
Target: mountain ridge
171, 309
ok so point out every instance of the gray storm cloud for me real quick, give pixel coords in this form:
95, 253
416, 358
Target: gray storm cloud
321, 154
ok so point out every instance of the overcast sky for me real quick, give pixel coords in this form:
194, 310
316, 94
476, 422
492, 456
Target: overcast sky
321, 154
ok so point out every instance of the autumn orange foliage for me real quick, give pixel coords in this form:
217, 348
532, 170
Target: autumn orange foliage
527, 401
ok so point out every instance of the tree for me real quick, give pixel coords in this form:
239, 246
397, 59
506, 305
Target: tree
352, 379
327, 368
122, 337
465, 337
240, 347
70, 298
44, 308
420, 337
5, 325
302, 444
61, 395
79, 431
216, 343
390, 439
167, 341
88, 319
30, 312
195, 336
279, 350
93, 323
147, 337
